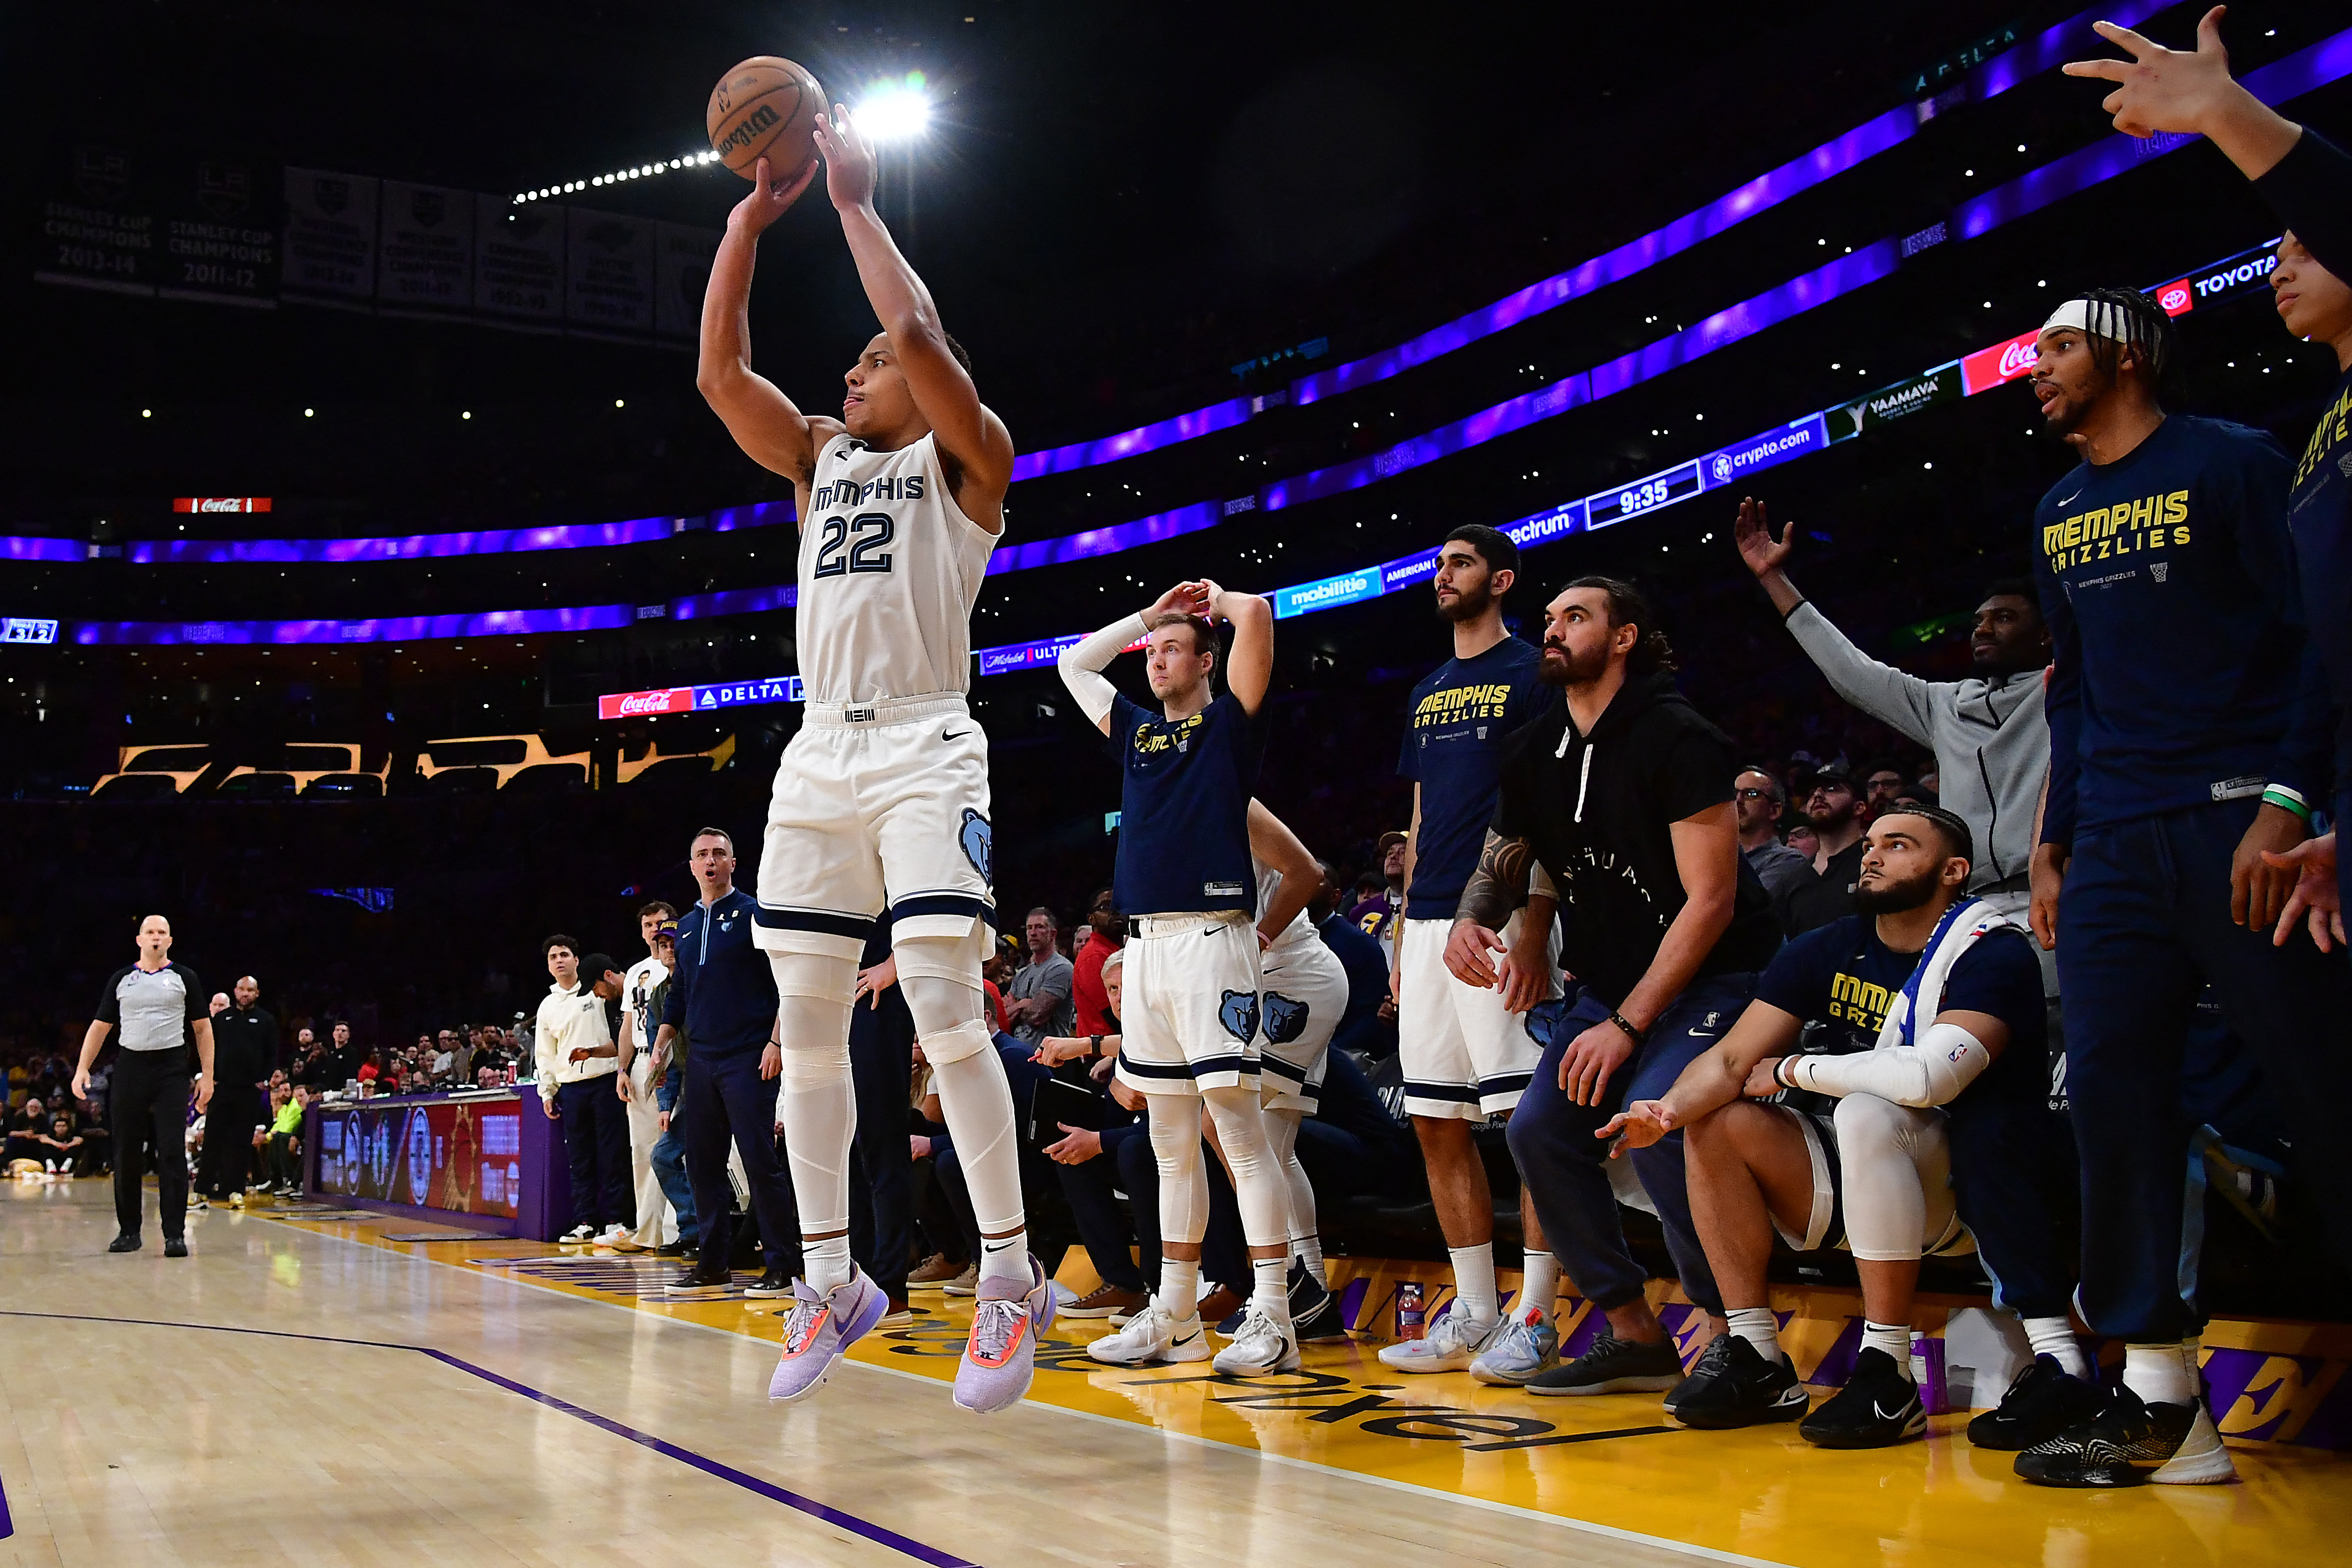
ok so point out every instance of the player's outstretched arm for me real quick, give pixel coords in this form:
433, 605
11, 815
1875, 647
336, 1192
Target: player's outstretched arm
1249, 668
2190, 90
974, 439
1715, 1078
765, 422
1273, 842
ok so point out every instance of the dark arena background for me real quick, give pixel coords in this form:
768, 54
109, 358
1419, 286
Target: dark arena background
381, 596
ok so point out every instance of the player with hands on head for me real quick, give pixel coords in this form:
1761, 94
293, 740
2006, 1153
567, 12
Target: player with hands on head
902, 500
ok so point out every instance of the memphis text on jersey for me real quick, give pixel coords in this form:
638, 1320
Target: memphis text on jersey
850, 492
2108, 533
1457, 703
1858, 1001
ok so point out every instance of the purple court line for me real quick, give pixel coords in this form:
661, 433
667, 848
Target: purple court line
866, 1528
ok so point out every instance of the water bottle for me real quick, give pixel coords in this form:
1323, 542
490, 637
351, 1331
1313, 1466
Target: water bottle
1409, 1310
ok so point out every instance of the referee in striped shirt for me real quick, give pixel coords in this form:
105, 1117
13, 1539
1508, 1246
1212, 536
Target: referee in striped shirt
159, 1008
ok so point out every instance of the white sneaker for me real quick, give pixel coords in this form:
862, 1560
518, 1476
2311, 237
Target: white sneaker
1263, 1345
609, 1234
1448, 1347
578, 1233
1154, 1334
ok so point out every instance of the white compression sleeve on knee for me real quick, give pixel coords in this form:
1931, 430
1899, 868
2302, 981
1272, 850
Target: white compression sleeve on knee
1282, 1147
945, 1002
815, 1103
1174, 1123
1933, 1072
1080, 665
1891, 1155
1258, 1186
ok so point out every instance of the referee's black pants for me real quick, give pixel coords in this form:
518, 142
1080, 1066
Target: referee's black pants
150, 1100
228, 1160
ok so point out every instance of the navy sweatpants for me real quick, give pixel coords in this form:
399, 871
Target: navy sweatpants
2012, 1165
724, 1096
881, 1174
2143, 926
596, 1139
1562, 1163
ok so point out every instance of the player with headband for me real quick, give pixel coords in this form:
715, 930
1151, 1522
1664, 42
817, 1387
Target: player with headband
1857, 1153
2188, 732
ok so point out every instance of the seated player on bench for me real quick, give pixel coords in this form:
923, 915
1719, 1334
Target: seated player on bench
1962, 1031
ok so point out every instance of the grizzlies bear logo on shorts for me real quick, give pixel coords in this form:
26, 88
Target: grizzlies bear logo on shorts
1238, 1013
1285, 1020
979, 844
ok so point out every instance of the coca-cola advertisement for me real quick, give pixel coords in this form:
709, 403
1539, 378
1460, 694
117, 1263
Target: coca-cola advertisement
1989, 368
637, 705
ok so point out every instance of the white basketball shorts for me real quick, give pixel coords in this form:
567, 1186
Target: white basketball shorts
1189, 1011
1463, 1055
1302, 991
874, 799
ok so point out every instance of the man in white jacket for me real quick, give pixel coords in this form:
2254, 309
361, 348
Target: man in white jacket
1991, 741
573, 1052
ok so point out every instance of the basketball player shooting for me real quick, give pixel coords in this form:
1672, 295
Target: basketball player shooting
885, 786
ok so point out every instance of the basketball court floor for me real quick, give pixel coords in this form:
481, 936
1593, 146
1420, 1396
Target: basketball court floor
307, 1390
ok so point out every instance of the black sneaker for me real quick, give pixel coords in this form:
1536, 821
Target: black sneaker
2129, 1443
1877, 1409
1614, 1365
1315, 1313
1734, 1385
126, 1242
774, 1283
2043, 1401
176, 1247
700, 1281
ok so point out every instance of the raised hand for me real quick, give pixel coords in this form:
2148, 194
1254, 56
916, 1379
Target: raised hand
849, 165
1752, 532
770, 198
2161, 88
1185, 599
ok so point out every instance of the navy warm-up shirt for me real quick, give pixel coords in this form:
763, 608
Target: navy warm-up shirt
1842, 975
1183, 819
2182, 673
1454, 750
722, 992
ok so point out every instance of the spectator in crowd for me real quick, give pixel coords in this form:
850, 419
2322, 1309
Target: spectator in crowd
656, 1225
1883, 784
1382, 901
1039, 1001
995, 976
1367, 1026
26, 1127
573, 1053
370, 1069
1105, 935
285, 1143
1803, 840
62, 1147
1086, 1161
1833, 812
341, 1065
1988, 732
1760, 800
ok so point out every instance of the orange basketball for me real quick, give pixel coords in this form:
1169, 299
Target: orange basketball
765, 108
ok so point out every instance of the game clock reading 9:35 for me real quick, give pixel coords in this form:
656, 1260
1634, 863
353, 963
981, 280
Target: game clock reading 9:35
1658, 490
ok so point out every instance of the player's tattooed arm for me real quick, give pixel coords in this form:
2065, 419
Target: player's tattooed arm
1499, 885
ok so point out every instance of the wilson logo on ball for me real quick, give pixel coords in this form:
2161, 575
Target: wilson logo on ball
759, 119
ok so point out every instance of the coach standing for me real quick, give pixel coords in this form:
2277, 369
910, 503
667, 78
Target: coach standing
245, 1049
159, 1007
723, 994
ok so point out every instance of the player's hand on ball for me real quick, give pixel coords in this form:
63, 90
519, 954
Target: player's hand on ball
1466, 953
1637, 1127
770, 197
849, 167
2316, 899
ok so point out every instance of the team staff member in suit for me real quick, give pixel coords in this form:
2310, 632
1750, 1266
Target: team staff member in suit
245, 1050
1623, 794
723, 995
159, 1007
2188, 735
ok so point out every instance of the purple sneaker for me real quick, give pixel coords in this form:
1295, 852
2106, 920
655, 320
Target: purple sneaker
820, 1328
1001, 1357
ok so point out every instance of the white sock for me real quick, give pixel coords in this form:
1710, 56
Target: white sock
1006, 1257
1271, 1292
1310, 1253
1895, 1339
1179, 1287
1760, 1328
2055, 1337
1539, 1281
2162, 1374
1474, 1282
826, 1264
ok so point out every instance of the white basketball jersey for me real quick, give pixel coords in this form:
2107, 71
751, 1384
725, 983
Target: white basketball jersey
890, 569
1301, 928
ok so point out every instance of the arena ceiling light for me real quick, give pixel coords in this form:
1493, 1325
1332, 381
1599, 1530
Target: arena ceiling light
635, 171
896, 111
